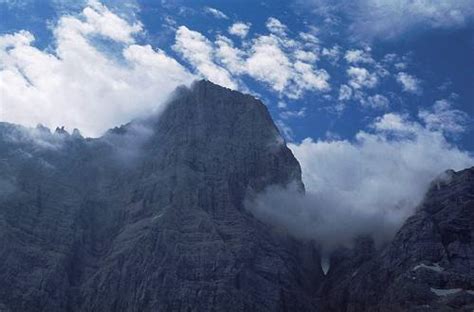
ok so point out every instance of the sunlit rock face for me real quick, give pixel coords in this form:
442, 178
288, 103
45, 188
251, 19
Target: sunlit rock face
429, 265
150, 217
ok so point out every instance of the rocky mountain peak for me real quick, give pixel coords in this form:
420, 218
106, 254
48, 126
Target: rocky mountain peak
151, 214
150, 217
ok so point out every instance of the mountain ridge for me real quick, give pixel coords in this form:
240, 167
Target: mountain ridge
96, 225
150, 217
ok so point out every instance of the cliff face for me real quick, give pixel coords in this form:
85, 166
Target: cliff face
429, 266
150, 217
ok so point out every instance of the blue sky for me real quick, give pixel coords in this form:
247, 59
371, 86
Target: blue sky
336, 68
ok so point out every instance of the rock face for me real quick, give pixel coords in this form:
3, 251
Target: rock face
150, 216
429, 266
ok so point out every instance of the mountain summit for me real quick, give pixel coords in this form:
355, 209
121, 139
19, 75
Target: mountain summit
150, 216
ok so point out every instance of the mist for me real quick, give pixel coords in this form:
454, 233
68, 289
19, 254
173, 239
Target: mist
368, 186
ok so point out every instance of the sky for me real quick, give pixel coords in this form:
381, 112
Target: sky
373, 96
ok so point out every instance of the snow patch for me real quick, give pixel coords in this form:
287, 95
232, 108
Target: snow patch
445, 292
435, 267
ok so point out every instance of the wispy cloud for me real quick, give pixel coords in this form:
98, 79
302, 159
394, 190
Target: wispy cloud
215, 12
385, 19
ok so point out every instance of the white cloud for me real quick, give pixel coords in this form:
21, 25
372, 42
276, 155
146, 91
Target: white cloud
282, 105
293, 114
366, 186
239, 29
401, 66
406, 15
269, 63
230, 57
216, 13
358, 56
333, 54
108, 24
442, 117
278, 62
409, 83
309, 78
376, 101
360, 77
309, 39
78, 85
199, 52
305, 56
276, 27
391, 18
345, 93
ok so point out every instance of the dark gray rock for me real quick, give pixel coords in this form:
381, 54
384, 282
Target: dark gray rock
150, 217
429, 266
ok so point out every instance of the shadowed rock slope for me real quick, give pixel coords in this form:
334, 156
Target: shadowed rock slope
150, 216
429, 265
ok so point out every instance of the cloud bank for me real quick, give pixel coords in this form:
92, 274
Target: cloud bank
367, 186
80, 84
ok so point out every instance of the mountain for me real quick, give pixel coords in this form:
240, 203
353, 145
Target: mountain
150, 216
429, 265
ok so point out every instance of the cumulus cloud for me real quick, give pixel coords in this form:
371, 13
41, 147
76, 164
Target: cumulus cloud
376, 101
409, 83
275, 26
367, 186
199, 52
79, 85
310, 39
306, 56
333, 54
108, 24
216, 13
345, 93
229, 56
292, 73
282, 64
443, 117
358, 56
239, 29
269, 63
359, 78
309, 78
